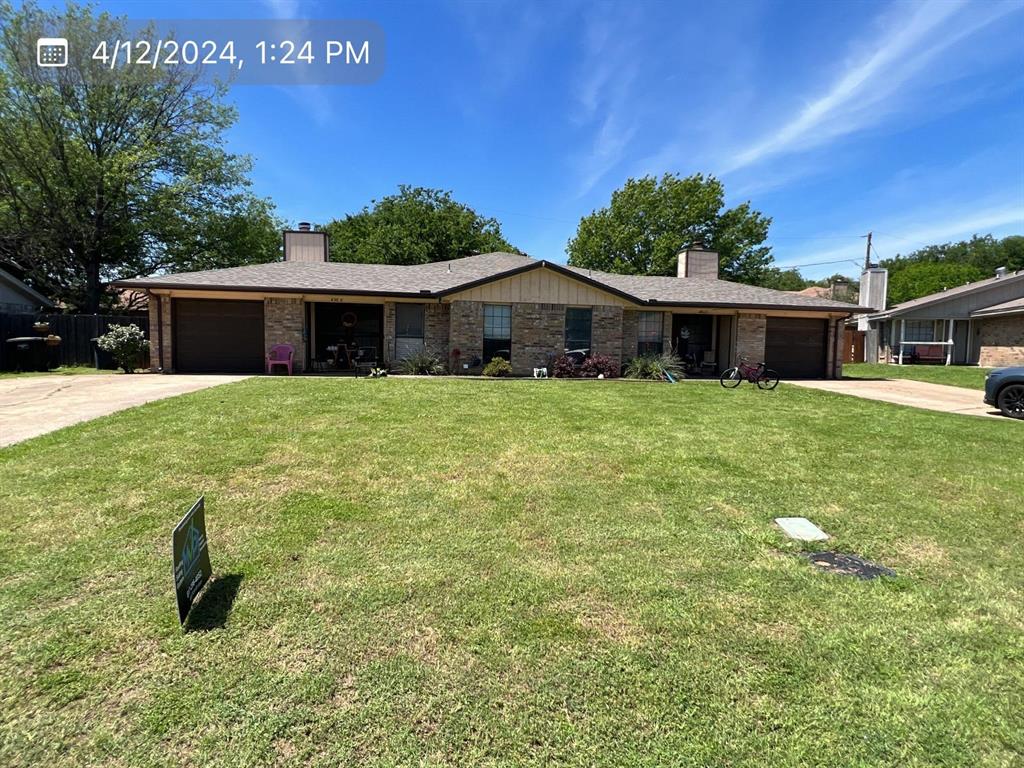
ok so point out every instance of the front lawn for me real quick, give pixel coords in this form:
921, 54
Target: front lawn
64, 370
442, 572
967, 376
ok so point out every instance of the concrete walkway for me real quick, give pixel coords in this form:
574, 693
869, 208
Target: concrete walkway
919, 394
34, 405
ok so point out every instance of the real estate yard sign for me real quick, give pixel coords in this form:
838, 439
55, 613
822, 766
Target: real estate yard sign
191, 557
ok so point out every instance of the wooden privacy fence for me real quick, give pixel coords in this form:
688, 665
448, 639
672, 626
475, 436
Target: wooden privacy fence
76, 333
853, 346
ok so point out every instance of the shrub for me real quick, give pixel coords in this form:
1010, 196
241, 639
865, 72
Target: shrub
563, 367
654, 367
498, 366
126, 344
422, 364
598, 365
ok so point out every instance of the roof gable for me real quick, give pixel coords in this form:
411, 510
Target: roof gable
969, 298
542, 283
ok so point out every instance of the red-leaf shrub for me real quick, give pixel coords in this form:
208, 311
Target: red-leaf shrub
563, 367
598, 364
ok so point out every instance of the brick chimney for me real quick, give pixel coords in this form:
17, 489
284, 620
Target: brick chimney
696, 261
303, 244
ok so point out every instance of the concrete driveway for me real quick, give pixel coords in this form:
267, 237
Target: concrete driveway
35, 405
919, 394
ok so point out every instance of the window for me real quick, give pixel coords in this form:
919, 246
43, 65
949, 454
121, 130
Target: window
409, 321
919, 330
577, 329
497, 332
649, 336
408, 330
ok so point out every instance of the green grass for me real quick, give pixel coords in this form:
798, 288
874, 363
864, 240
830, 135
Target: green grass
444, 572
966, 376
64, 370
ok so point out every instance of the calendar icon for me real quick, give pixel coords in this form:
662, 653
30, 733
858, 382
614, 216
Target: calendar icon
52, 51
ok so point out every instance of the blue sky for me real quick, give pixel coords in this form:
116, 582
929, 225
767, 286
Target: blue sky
833, 118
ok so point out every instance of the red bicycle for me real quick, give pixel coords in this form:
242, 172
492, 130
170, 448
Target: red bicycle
764, 377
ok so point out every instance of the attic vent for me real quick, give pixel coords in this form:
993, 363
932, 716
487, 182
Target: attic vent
1001, 272
304, 226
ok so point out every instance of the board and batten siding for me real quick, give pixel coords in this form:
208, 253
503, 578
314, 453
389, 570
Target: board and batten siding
539, 286
960, 307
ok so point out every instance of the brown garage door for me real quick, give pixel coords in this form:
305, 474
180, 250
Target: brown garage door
796, 347
218, 336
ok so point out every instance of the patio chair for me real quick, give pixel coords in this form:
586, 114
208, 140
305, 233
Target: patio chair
280, 354
708, 362
366, 359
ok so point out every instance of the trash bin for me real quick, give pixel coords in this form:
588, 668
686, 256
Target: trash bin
104, 360
28, 353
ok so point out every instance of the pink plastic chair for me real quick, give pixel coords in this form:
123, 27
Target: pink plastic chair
280, 354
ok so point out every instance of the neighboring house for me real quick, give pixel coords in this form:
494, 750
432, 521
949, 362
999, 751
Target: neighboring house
473, 309
17, 297
980, 323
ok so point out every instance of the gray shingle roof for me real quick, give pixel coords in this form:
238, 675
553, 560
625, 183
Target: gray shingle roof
695, 291
343, 277
1011, 307
444, 277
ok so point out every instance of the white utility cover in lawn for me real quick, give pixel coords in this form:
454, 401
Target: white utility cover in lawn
800, 528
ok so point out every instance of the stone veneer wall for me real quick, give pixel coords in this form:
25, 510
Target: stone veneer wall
155, 363
750, 338
283, 323
1002, 341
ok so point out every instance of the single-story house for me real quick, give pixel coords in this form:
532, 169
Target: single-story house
19, 297
472, 309
980, 323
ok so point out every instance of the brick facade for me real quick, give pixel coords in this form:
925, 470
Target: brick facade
466, 334
284, 322
161, 305
389, 333
606, 332
1002, 341
538, 336
437, 326
630, 331
750, 338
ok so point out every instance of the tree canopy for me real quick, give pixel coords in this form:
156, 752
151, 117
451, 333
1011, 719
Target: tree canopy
650, 220
415, 226
112, 173
937, 267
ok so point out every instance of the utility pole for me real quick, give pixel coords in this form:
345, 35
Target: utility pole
867, 254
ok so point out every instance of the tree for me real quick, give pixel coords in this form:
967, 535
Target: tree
415, 226
108, 173
936, 267
650, 220
925, 277
783, 279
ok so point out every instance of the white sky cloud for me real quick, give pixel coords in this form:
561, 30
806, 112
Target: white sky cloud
910, 232
869, 88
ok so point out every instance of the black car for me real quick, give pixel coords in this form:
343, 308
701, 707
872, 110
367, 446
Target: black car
1004, 388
